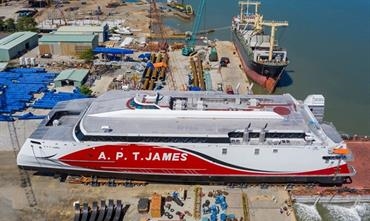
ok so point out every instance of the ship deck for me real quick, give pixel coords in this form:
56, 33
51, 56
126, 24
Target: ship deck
280, 113
112, 114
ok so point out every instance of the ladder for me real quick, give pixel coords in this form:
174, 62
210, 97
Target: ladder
25, 178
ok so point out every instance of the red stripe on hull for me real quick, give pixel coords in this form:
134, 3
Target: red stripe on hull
144, 159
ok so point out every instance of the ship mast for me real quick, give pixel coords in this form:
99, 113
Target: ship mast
243, 4
273, 25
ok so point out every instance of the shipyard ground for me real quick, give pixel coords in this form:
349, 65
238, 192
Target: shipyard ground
55, 198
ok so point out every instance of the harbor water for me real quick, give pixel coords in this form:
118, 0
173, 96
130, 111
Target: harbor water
328, 47
332, 212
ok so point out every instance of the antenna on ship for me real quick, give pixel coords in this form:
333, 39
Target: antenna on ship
256, 19
273, 25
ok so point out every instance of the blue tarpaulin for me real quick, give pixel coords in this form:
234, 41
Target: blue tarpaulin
30, 116
145, 56
51, 98
149, 65
6, 118
18, 85
103, 50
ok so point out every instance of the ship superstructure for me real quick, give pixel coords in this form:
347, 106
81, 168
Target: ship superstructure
190, 136
263, 60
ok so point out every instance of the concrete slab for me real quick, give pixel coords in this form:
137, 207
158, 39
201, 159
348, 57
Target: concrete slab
266, 203
180, 69
24, 130
233, 74
101, 85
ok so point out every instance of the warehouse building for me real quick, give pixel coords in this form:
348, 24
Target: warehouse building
17, 44
67, 45
71, 77
102, 31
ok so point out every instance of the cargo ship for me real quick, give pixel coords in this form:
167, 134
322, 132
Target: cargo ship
188, 136
263, 60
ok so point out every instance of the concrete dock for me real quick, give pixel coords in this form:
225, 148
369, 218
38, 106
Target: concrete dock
231, 76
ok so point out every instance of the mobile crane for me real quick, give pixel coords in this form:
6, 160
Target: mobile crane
188, 49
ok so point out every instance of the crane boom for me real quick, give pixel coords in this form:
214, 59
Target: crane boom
190, 42
273, 25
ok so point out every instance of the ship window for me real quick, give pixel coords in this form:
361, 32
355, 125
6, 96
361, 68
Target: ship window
224, 151
241, 134
256, 151
153, 139
78, 132
285, 135
275, 150
135, 105
35, 142
235, 134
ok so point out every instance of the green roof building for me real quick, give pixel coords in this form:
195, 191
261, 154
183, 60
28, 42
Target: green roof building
17, 44
71, 77
67, 44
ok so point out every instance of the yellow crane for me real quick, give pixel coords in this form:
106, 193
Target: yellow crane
273, 25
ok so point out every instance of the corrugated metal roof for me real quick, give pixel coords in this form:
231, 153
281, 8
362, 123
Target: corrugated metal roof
72, 74
71, 33
67, 38
15, 38
84, 28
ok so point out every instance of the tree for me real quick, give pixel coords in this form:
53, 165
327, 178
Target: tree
2, 24
26, 24
10, 25
85, 90
87, 55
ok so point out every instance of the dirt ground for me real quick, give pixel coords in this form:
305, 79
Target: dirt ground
134, 15
55, 199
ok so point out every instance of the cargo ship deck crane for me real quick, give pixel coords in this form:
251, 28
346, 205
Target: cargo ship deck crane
273, 25
190, 41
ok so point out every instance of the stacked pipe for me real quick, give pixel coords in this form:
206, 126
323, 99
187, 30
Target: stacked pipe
148, 73
194, 72
156, 70
162, 75
197, 72
200, 73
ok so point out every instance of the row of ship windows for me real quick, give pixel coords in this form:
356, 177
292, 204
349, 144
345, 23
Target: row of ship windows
161, 139
232, 135
268, 135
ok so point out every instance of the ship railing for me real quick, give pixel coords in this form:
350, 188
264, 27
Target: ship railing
352, 170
